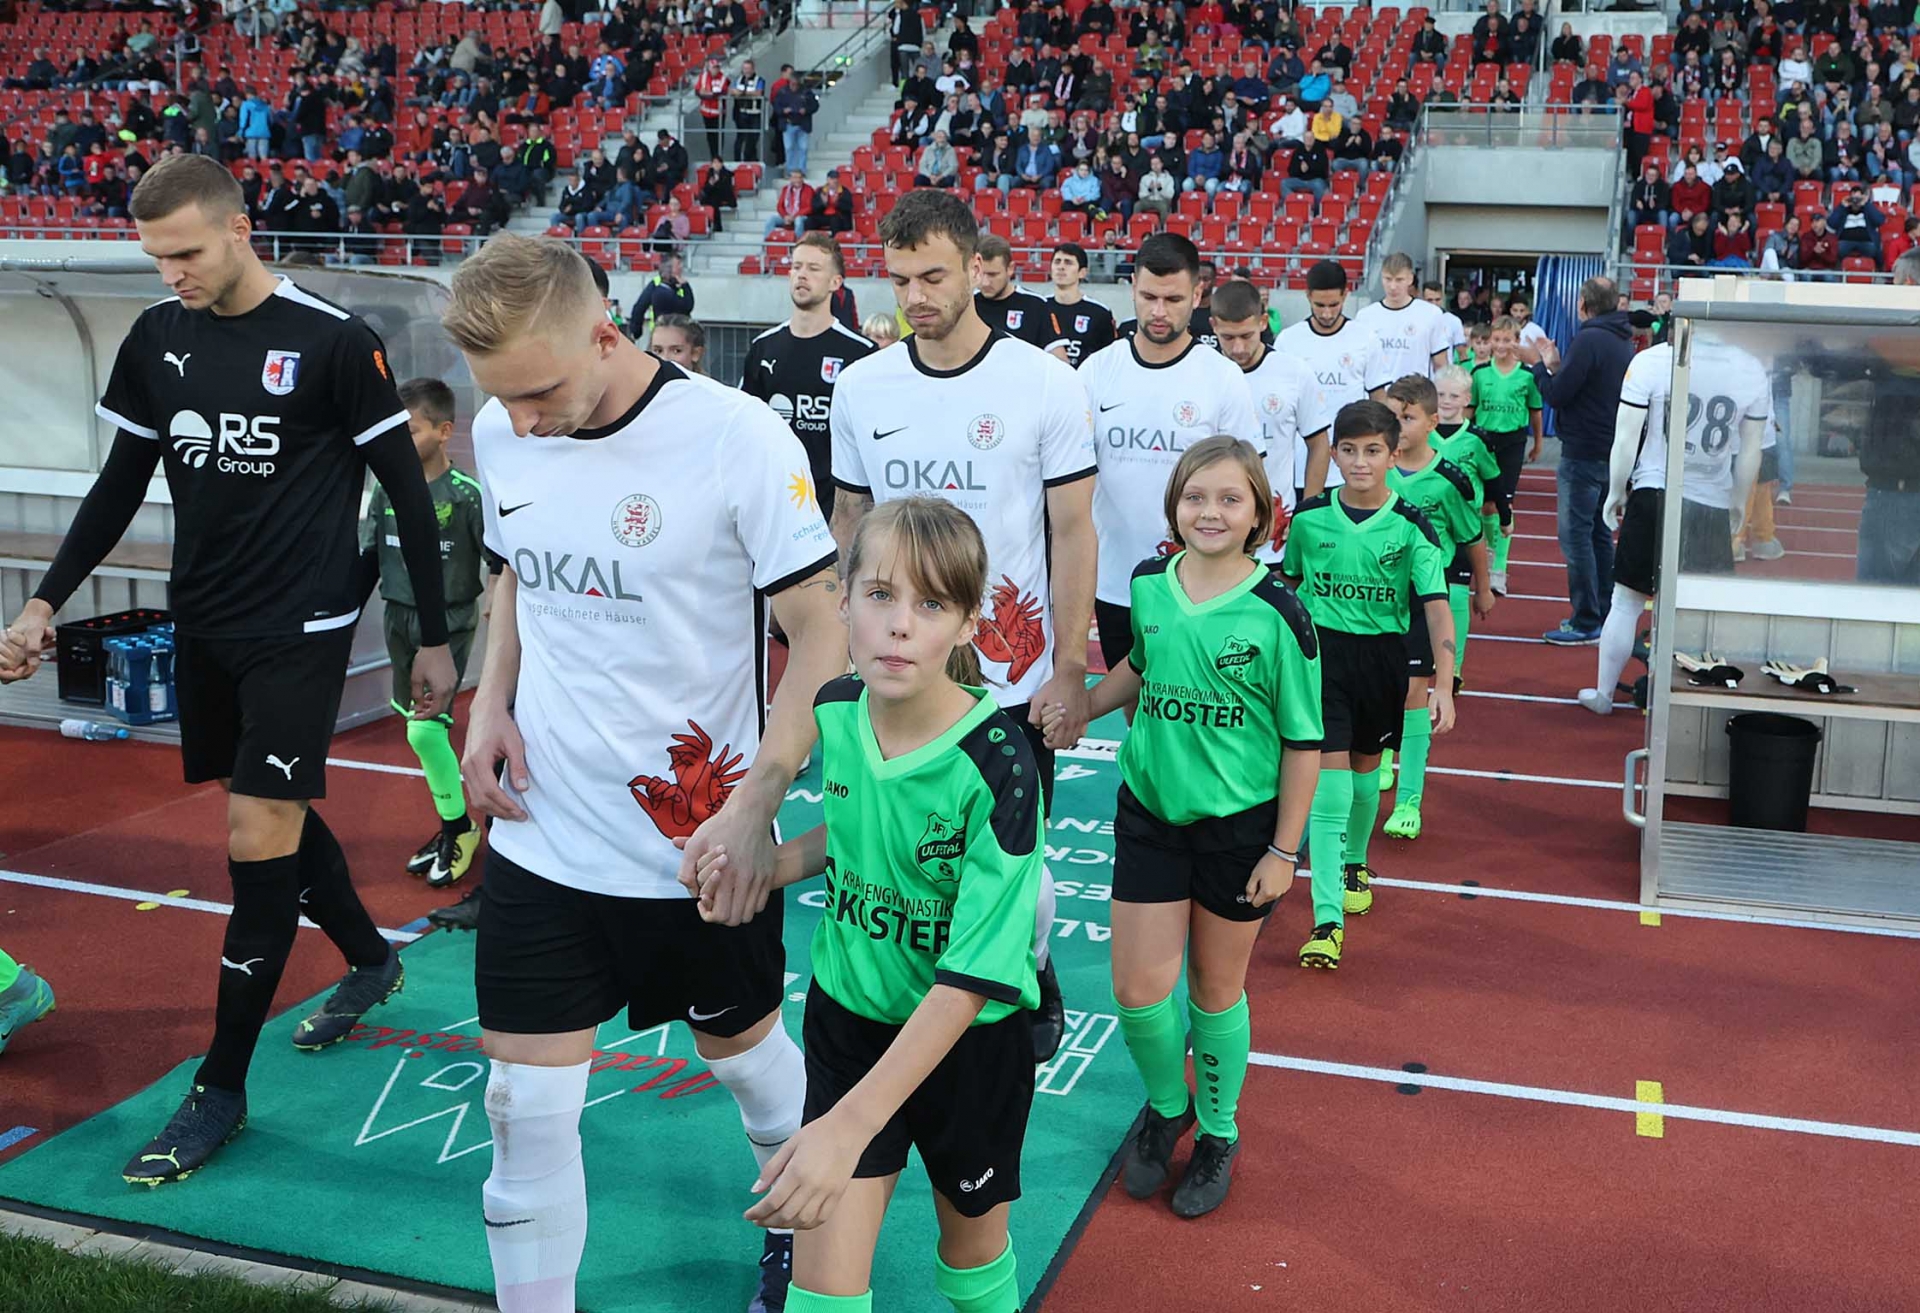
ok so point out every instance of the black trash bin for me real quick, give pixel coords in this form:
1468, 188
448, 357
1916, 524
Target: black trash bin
1770, 776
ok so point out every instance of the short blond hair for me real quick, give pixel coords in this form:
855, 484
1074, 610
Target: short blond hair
516, 286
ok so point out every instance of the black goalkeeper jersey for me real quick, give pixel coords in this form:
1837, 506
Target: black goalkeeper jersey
261, 417
795, 376
1086, 325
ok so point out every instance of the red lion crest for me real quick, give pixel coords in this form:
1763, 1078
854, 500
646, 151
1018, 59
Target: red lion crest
702, 782
1011, 631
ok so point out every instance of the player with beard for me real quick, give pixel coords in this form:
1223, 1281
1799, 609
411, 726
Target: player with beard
1002, 429
1086, 325
1004, 306
1154, 395
1287, 400
1345, 358
793, 366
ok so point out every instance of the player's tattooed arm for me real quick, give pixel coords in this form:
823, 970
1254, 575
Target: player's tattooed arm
849, 508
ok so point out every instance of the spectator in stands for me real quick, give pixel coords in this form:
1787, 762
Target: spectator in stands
1307, 171
832, 210
1796, 67
1244, 159
1692, 242
1690, 194
477, 205
671, 230
1625, 65
1081, 192
1819, 247
1324, 127
1429, 47
1895, 244
793, 109
666, 293
1806, 154
1844, 156
912, 126
1773, 176
1157, 189
1780, 253
1290, 128
1037, 164
1733, 242
939, 164
256, 125
906, 34
791, 205
622, 206
1649, 201
1403, 108
576, 204
536, 155
999, 164
1523, 39
1856, 225
1352, 151
307, 111
1504, 97
667, 168
1567, 47
1592, 93
40, 73
1733, 191
1204, 166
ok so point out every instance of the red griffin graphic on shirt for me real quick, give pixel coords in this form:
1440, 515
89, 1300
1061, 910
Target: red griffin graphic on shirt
1282, 521
702, 780
1011, 632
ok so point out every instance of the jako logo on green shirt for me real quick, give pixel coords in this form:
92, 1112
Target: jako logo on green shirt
1235, 656
940, 847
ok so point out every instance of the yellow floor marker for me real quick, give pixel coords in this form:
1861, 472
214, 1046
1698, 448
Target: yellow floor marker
148, 907
1649, 918
1650, 1124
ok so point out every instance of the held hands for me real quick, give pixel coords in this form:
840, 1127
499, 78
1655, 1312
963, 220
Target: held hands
1054, 722
1440, 708
805, 1180
728, 864
24, 643
1533, 452
1065, 698
492, 738
1272, 876
435, 682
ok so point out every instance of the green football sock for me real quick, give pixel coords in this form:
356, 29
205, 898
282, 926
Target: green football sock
9, 971
1502, 544
1366, 810
801, 1300
1221, 1041
991, 1288
1159, 1050
1490, 527
1327, 844
432, 744
1459, 601
1386, 763
1416, 736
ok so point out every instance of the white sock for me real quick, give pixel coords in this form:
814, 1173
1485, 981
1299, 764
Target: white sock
769, 1082
1043, 921
1617, 637
536, 1196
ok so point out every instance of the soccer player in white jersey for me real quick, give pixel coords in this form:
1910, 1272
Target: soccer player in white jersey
1345, 358
646, 516
1286, 398
1001, 429
1154, 394
1435, 294
1729, 402
1412, 333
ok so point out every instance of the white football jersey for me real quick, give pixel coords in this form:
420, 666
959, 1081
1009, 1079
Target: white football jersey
1291, 408
1726, 386
991, 437
1409, 337
1456, 331
1348, 365
643, 553
1144, 419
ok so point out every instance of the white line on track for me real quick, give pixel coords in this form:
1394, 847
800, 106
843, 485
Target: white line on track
380, 767
1527, 697
141, 896
1780, 521
1516, 777
1581, 1099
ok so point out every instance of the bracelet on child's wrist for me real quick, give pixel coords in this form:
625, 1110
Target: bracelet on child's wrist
1291, 859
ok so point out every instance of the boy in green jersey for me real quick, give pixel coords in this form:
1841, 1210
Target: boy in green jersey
456, 502
1455, 439
1479, 346
1217, 777
1362, 558
918, 1027
1506, 414
1451, 498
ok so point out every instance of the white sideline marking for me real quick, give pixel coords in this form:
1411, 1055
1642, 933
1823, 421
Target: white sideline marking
1581, 1099
139, 896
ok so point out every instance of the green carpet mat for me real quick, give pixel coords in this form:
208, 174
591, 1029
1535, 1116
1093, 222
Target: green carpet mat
372, 1154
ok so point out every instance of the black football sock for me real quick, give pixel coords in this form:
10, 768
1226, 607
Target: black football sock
266, 915
328, 899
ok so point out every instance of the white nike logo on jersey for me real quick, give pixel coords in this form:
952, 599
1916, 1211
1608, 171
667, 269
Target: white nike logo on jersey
179, 362
284, 767
245, 968
694, 1014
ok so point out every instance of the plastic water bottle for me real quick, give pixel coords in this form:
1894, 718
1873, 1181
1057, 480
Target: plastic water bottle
92, 731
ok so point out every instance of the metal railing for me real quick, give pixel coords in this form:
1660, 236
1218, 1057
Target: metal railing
1547, 127
1665, 275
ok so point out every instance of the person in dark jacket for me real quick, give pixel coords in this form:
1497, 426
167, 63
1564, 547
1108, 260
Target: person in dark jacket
1692, 243
1584, 391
